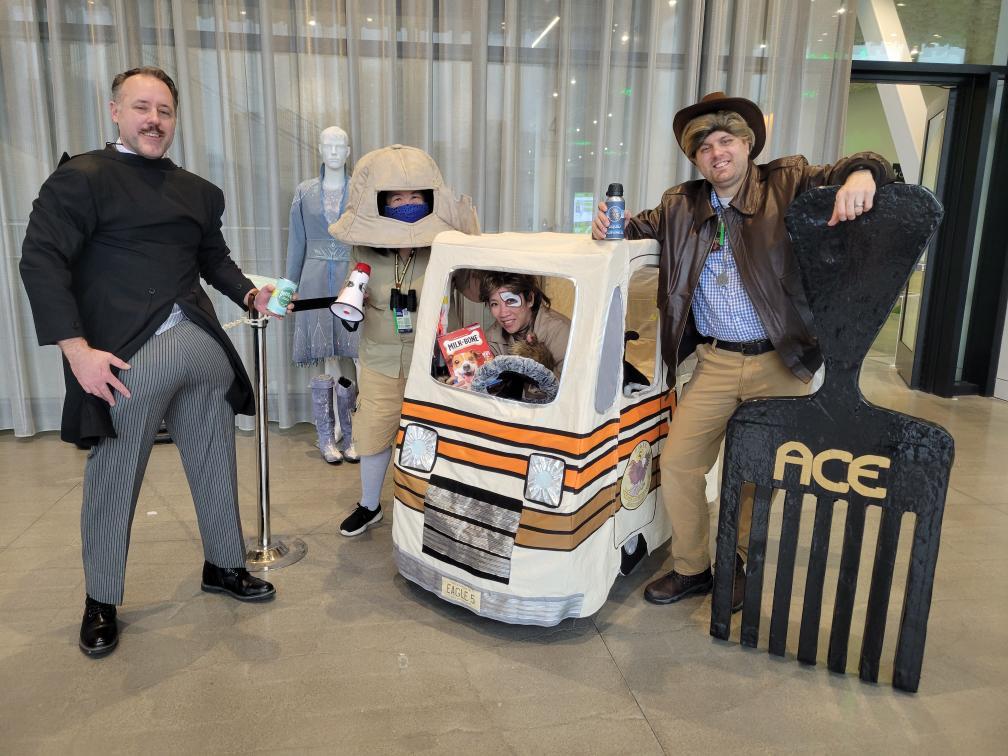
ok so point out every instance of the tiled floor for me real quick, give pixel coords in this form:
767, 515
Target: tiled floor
351, 658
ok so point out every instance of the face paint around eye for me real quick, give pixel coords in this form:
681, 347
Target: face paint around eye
510, 299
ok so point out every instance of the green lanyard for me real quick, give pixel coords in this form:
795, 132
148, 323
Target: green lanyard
722, 227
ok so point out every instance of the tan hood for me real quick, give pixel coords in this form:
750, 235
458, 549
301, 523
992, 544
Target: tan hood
398, 168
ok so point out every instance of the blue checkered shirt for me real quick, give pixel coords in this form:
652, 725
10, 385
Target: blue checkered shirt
724, 312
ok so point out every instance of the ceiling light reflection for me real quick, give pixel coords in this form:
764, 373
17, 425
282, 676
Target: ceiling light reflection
546, 31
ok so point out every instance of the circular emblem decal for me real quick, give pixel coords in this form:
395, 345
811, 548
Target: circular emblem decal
637, 477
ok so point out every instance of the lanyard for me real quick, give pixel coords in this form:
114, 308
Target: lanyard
722, 225
721, 278
399, 278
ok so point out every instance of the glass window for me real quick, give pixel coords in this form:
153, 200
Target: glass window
517, 349
929, 31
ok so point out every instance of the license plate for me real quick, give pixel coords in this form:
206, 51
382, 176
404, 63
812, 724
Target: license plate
458, 592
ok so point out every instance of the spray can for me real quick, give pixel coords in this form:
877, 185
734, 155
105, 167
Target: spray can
615, 208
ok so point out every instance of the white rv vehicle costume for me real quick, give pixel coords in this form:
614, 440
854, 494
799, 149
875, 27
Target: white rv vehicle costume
518, 510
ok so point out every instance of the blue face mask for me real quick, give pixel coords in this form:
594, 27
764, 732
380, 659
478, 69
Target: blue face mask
408, 213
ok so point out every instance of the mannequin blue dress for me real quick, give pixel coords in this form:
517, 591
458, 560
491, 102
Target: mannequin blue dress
319, 265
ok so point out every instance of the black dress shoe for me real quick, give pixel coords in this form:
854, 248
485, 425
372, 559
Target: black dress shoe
99, 633
674, 587
629, 561
235, 581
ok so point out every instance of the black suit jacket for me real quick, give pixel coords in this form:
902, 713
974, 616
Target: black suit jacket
113, 241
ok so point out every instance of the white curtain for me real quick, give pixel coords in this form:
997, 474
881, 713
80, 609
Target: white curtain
529, 106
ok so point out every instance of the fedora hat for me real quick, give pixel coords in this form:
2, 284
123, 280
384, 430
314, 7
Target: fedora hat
716, 101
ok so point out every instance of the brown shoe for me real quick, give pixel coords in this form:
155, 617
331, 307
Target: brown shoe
673, 587
738, 585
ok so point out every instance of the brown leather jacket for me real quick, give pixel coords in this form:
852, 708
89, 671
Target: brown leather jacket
684, 225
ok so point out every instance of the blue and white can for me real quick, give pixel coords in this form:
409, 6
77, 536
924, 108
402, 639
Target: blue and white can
615, 211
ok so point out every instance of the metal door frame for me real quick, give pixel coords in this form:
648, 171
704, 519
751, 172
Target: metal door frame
946, 285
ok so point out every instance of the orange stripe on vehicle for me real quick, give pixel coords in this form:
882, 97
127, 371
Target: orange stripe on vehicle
641, 412
486, 459
576, 480
652, 406
652, 435
511, 433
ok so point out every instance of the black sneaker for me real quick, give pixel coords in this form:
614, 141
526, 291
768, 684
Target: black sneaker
629, 561
360, 520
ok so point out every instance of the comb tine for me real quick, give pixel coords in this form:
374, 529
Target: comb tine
843, 609
754, 566
808, 637
878, 594
917, 601
724, 568
785, 572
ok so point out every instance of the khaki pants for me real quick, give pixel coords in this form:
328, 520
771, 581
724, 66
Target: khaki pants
721, 381
379, 406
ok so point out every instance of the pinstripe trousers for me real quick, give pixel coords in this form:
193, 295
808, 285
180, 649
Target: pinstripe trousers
181, 376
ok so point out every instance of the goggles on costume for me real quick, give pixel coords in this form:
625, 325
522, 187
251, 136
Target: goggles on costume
408, 213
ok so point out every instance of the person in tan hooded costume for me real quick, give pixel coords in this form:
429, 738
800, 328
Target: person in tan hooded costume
397, 203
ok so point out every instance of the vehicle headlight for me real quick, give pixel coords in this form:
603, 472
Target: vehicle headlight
544, 482
419, 448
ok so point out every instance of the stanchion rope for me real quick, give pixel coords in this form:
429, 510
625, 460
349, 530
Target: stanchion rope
236, 323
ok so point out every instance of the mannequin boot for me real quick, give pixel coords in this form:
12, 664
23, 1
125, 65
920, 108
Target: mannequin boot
325, 421
346, 399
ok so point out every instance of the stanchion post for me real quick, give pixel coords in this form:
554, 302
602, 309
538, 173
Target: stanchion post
265, 552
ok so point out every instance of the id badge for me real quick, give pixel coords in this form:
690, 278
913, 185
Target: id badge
403, 321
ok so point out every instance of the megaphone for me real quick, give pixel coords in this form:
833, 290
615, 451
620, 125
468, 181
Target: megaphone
349, 305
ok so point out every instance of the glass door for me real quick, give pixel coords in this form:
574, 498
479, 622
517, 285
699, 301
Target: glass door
868, 128
913, 294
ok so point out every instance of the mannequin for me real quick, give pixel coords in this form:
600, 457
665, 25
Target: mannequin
319, 264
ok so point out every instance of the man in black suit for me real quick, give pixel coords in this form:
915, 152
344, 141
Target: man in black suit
115, 247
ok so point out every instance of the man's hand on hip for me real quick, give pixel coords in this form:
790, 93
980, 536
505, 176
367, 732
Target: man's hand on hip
93, 369
855, 197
